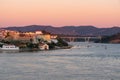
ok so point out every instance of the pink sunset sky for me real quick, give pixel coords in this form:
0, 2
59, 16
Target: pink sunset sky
99, 13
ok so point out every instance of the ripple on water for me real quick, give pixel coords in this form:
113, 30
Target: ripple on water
93, 63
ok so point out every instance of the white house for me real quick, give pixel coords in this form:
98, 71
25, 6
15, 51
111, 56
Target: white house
43, 46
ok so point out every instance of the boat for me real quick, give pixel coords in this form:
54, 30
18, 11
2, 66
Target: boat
9, 47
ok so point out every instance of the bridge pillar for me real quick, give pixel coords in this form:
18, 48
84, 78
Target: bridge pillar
71, 39
100, 38
85, 39
89, 39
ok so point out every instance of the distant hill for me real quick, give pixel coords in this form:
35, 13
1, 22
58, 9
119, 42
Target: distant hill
69, 30
111, 39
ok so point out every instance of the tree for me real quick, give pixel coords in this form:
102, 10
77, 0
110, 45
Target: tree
61, 42
8, 34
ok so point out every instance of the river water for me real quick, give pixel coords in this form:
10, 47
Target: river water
85, 61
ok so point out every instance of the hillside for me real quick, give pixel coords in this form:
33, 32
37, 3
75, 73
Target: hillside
111, 39
115, 38
69, 30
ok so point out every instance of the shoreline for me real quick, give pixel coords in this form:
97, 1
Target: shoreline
35, 49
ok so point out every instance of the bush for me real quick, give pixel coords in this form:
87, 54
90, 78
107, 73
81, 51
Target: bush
61, 42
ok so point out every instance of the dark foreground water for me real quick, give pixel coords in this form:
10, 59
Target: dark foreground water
85, 61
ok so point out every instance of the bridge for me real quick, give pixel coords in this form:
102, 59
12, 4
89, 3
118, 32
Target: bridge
82, 38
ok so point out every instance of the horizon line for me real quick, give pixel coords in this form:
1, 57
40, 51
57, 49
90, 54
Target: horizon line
57, 26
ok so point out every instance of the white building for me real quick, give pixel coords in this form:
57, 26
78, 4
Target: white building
38, 32
43, 46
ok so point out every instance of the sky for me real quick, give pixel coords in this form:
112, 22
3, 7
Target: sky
99, 13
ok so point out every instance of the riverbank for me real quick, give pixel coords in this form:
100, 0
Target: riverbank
36, 49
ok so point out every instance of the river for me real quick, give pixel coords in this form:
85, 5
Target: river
85, 61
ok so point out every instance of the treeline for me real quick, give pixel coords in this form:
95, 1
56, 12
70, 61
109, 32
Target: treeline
111, 39
22, 44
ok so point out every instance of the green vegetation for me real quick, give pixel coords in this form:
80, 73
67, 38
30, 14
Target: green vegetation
111, 39
52, 45
60, 44
30, 45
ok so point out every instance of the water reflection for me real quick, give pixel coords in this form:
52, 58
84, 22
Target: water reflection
83, 63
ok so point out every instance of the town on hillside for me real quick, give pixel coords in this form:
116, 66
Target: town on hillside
38, 40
